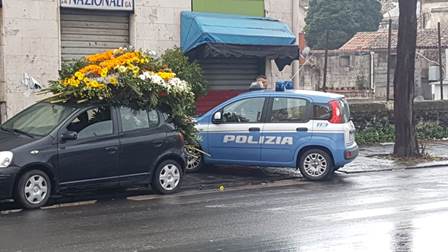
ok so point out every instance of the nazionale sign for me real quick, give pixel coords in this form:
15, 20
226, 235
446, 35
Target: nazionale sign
123, 5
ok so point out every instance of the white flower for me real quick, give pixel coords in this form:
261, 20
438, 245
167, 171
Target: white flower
157, 79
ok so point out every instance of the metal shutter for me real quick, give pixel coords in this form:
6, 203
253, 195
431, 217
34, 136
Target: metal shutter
85, 32
230, 73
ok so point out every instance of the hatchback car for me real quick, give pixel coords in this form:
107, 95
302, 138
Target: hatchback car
308, 130
49, 148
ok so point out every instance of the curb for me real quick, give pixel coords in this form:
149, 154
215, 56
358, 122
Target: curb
398, 168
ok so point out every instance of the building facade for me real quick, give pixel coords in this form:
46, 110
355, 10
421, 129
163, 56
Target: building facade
38, 35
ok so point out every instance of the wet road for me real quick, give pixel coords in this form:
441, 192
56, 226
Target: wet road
384, 211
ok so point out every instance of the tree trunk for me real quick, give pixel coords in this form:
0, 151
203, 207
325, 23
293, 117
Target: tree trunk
404, 87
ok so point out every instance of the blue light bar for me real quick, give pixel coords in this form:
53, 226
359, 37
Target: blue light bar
283, 85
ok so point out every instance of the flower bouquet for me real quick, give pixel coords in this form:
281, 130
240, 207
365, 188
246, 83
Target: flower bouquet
127, 77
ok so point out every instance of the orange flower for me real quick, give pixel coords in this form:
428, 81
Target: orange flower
90, 69
101, 56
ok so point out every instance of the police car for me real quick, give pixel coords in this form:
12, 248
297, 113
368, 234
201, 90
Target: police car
306, 130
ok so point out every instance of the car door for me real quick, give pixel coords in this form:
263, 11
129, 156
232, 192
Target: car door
142, 139
287, 128
92, 154
236, 138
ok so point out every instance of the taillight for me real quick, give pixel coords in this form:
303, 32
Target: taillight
336, 112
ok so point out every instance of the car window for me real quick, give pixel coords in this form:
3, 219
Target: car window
132, 119
289, 110
321, 112
39, 119
244, 111
345, 110
92, 123
154, 119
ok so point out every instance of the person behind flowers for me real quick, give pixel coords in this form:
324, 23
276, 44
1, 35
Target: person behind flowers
261, 82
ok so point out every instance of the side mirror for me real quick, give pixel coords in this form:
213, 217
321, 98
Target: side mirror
217, 117
69, 135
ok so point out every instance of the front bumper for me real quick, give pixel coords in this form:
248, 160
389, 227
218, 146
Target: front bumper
7, 181
351, 153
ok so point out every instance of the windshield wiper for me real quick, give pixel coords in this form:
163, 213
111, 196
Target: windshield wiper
22, 133
6, 129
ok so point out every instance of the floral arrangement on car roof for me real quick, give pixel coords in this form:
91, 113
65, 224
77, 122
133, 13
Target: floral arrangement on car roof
129, 77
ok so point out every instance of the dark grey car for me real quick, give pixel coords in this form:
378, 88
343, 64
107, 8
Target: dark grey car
49, 148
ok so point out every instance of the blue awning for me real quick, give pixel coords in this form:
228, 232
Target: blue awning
210, 34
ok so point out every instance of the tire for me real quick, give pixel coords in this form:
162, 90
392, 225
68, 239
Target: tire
316, 164
194, 162
167, 177
33, 189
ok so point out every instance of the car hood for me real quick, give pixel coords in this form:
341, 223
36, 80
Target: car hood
9, 141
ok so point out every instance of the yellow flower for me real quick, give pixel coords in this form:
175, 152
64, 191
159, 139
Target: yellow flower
104, 72
122, 69
79, 75
113, 81
166, 75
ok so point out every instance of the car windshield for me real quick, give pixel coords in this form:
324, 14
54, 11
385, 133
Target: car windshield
38, 120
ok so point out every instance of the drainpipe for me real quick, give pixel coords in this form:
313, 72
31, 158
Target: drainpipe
446, 64
372, 72
296, 30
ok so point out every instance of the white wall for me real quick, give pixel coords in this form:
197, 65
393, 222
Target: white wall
30, 44
156, 23
435, 12
282, 10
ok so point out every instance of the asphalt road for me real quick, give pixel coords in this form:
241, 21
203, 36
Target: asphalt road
384, 211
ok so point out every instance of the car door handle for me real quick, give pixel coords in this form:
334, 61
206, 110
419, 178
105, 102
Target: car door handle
111, 149
157, 143
254, 129
302, 129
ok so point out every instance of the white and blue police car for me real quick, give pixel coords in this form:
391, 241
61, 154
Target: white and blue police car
307, 130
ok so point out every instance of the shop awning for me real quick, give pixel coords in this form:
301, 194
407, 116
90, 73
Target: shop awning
217, 35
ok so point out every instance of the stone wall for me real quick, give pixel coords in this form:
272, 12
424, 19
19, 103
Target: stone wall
381, 113
348, 70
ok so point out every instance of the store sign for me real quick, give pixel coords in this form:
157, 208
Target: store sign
124, 5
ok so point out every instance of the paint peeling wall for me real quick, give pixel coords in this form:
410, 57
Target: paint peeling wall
30, 44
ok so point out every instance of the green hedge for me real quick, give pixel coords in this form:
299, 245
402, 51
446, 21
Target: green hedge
380, 133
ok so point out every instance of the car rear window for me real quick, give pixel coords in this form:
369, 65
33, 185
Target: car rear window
345, 108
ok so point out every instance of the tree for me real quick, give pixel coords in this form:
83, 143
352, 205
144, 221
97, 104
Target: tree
405, 133
342, 18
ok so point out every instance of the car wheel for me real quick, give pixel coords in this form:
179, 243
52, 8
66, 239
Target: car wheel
167, 177
194, 161
33, 189
316, 164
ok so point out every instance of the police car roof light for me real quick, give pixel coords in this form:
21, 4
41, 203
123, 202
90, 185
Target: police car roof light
283, 85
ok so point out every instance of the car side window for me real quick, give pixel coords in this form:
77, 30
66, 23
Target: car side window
289, 110
244, 111
138, 119
92, 123
321, 112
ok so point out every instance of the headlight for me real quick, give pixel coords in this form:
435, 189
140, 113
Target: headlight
5, 158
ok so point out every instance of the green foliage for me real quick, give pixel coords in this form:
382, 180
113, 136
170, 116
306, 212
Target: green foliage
342, 19
381, 133
191, 72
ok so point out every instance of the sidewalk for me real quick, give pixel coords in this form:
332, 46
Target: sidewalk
373, 158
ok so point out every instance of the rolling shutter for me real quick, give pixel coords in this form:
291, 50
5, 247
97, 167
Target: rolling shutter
85, 32
230, 73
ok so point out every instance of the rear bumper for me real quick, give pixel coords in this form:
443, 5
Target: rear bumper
351, 153
7, 180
